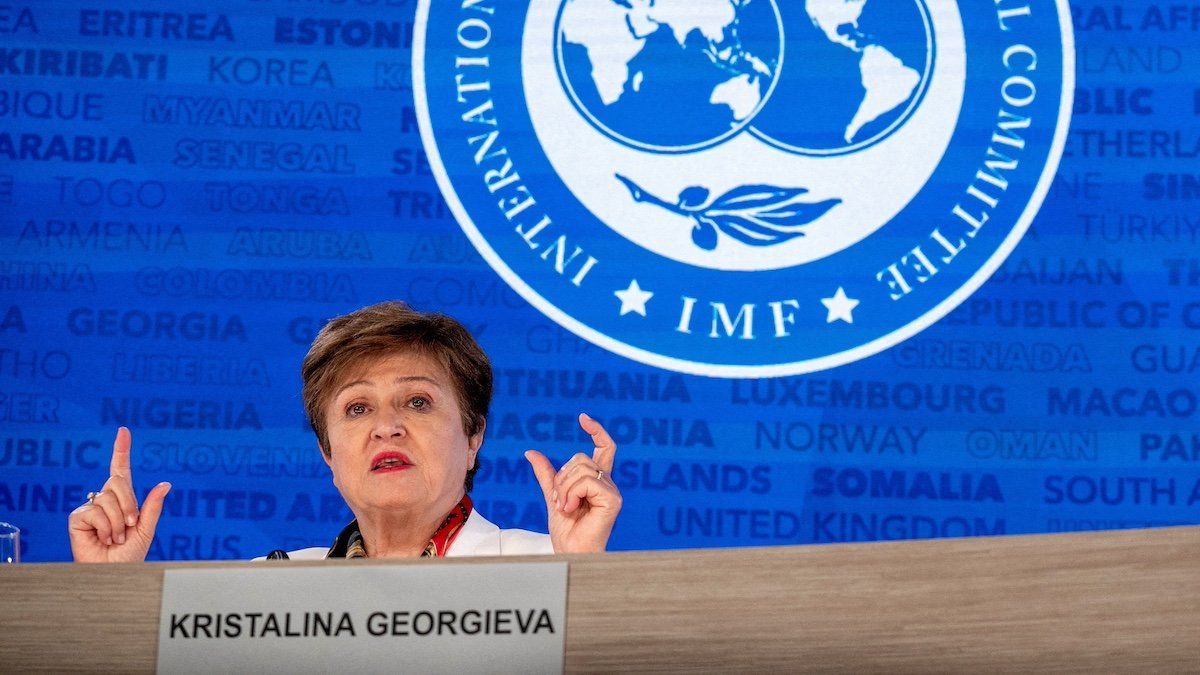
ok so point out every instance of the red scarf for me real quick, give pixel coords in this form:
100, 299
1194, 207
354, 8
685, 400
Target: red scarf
448, 531
349, 543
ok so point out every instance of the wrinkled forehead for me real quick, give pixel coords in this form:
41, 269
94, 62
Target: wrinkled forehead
409, 361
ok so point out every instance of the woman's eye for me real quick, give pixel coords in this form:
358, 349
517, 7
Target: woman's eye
419, 402
356, 409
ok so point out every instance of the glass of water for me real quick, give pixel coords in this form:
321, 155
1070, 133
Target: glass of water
10, 543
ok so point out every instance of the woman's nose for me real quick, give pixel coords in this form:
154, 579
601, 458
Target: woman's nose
389, 426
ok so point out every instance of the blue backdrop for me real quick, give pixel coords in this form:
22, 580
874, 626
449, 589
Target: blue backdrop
149, 280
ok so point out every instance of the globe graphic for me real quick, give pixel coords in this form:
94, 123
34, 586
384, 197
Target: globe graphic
856, 71
683, 75
670, 75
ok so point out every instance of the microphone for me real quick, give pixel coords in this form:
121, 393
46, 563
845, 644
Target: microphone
277, 554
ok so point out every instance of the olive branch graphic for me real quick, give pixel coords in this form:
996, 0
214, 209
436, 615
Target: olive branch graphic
758, 215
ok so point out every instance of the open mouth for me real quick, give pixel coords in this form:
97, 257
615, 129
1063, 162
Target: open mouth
389, 461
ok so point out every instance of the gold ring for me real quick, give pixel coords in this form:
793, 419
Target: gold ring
91, 497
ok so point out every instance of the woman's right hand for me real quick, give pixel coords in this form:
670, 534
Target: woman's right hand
110, 527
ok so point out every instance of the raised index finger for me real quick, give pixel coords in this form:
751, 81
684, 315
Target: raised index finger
606, 450
119, 466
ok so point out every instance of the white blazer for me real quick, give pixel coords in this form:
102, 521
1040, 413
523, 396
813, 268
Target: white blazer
478, 537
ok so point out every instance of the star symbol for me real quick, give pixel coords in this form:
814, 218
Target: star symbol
839, 306
633, 299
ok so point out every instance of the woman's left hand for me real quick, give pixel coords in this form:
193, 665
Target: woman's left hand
581, 499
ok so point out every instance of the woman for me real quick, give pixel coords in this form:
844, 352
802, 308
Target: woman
399, 401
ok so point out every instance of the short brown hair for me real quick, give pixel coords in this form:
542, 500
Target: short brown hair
390, 327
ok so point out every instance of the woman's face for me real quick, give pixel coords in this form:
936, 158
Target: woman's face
396, 437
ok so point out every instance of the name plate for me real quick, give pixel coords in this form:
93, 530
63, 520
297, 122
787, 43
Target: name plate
365, 618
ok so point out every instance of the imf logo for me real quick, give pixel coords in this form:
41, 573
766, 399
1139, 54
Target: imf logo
744, 188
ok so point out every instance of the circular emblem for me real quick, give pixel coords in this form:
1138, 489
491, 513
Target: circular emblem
744, 188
